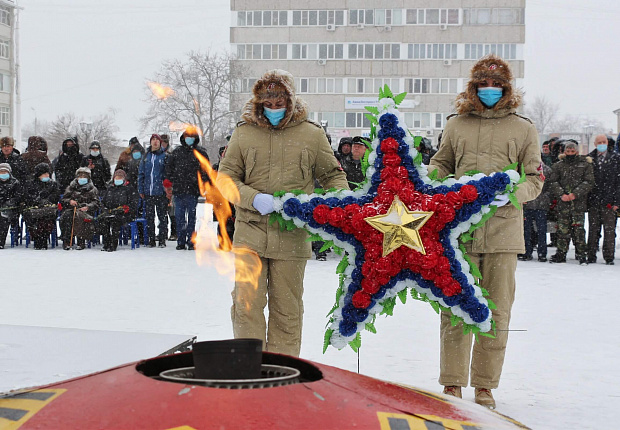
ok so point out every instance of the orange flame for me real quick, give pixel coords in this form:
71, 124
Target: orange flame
183, 126
160, 91
242, 265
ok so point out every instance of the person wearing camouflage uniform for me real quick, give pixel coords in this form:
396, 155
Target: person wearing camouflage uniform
572, 178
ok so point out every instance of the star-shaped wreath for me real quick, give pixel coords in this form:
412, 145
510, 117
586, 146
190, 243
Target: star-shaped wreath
402, 229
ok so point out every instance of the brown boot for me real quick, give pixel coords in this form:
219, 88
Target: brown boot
485, 398
453, 390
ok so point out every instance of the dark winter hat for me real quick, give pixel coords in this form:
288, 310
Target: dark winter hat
165, 138
358, 140
7, 141
95, 144
344, 141
133, 141
6, 166
192, 132
83, 170
41, 169
156, 136
70, 139
121, 173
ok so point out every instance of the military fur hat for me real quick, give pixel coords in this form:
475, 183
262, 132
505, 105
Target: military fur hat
488, 67
274, 84
491, 67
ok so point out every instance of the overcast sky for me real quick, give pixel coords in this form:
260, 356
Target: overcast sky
86, 56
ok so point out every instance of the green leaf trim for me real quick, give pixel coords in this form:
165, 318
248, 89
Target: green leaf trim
402, 295
372, 109
326, 338
356, 343
398, 99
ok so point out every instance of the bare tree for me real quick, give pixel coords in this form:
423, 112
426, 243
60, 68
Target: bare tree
577, 124
102, 128
195, 90
543, 112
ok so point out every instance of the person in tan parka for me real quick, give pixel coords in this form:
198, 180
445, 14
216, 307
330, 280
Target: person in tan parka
488, 135
274, 148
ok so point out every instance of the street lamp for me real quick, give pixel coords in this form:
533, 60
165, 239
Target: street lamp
588, 132
35, 121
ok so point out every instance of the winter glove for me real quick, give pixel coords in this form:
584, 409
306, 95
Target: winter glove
263, 203
167, 183
60, 206
126, 209
500, 200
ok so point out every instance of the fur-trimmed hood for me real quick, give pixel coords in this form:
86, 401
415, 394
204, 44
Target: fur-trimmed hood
587, 158
489, 67
274, 83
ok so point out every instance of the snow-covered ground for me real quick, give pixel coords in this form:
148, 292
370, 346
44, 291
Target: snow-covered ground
560, 369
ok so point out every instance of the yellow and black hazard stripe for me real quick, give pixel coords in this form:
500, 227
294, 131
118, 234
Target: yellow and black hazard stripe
16, 409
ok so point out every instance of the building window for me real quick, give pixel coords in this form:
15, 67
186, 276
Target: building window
493, 16
262, 18
371, 51
431, 86
432, 51
5, 83
356, 120
262, 52
5, 16
4, 49
318, 17
361, 16
5, 117
474, 51
432, 16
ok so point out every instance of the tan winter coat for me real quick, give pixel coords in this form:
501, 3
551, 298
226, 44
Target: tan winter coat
488, 141
264, 159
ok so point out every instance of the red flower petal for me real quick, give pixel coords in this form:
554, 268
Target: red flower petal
361, 299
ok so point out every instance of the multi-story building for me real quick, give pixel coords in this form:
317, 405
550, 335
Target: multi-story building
342, 51
7, 67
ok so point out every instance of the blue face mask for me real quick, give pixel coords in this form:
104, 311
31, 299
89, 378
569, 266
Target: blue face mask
95, 153
118, 182
82, 181
602, 147
274, 115
45, 179
5, 176
189, 140
489, 96
136, 155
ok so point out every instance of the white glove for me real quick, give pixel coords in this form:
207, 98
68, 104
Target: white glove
263, 203
500, 200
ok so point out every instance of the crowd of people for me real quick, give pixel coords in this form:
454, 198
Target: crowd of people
89, 199
575, 184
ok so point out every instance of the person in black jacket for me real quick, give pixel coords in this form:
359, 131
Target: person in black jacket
603, 200
12, 156
182, 170
353, 166
98, 165
68, 162
11, 195
41, 201
80, 203
119, 205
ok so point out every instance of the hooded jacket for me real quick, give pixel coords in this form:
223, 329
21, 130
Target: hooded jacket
183, 168
100, 172
606, 189
68, 162
488, 140
116, 196
41, 193
11, 196
132, 165
262, 158
575, 177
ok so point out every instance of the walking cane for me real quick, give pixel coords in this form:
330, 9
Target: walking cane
72, 224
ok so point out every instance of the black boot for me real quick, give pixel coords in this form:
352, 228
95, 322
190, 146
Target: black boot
81, 244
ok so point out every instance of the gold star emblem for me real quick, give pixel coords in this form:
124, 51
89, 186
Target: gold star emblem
400, 226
